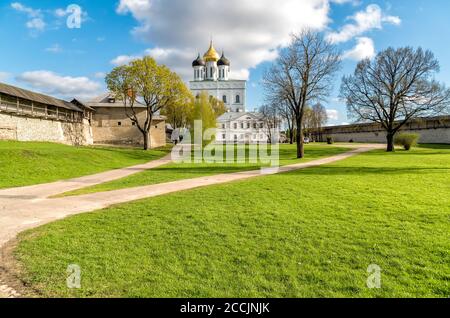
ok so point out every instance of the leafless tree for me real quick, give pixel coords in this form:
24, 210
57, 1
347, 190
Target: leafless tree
303, 74
394, 88
271, 120
287, 116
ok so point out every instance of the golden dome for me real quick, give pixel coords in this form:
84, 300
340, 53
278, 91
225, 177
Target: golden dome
211, 55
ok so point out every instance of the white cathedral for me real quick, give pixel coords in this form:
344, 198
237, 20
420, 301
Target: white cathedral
211, 75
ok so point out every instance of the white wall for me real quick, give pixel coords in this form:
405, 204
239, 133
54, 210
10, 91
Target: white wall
23, 128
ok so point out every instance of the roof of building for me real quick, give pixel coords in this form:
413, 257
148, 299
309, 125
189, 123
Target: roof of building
37, 97
211, 55
108, 100
223, 61
198, 61
230, 116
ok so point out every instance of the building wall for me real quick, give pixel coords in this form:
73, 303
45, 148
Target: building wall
427, 136
435, 130
229, 88
23, 128
111, 126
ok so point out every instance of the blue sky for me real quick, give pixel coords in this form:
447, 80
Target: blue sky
40, 52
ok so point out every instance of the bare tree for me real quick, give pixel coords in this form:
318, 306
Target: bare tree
319, 118
302, 74
286, 114
271, 119
394, 88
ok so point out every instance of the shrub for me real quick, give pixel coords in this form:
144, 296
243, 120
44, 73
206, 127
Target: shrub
330, 140
406, 140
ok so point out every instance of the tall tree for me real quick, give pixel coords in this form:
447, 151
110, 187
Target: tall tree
319, 118
287, 116
394, 88
150, 84
203, 111
271, 120
302, 74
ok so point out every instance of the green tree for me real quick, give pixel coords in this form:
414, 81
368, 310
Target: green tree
144, 81
203, 110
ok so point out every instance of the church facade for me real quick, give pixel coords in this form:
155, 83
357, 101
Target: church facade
212, 75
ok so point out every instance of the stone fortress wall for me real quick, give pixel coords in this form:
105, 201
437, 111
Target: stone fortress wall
433, 130
24, 128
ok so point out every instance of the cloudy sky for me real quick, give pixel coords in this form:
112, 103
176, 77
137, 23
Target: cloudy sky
43, 52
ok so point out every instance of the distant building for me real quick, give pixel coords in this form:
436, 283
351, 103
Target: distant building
212, 75
30, 116
432, 130
110, 124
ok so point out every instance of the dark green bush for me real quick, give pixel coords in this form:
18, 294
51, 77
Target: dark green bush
330, 140
407, 141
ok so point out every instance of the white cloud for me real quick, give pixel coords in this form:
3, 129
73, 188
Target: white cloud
364, 48
124, 59
352, 2
250, 32
62, 86
36, 21
4, 76
32, 13
100, 75
363, 21
332, 114
37, 24
55, 48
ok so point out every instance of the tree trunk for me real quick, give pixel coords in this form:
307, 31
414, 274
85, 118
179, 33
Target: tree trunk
299, 135
390, 141
146, 140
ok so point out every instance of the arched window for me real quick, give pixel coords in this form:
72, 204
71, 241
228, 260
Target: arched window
224, 98
238, 99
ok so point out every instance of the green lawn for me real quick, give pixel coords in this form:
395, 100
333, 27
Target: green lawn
309, 233
27, 163
173, 172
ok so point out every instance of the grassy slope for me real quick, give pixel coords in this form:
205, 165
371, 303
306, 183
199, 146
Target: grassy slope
173, 172
27, 163
309, 233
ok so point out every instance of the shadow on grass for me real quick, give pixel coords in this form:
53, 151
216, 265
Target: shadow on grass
361, 171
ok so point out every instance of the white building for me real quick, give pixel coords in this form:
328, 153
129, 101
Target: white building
211, 75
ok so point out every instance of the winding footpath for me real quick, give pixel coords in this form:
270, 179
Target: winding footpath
28, 207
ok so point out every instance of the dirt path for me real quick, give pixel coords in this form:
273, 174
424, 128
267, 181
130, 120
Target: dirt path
29, 207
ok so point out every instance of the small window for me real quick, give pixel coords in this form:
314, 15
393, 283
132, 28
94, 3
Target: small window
248, 125
242, 125
223, 126
238, 99
254, 125
133, 123
224, 137
119, 123
235, 126
224, 98
261, 125
235, 137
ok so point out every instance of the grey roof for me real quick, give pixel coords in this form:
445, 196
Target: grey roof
223, 61
104, 101
37, 97
230, 116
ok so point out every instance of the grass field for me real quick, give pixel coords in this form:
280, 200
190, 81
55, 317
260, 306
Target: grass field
178, 171
310, 233
27, 163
